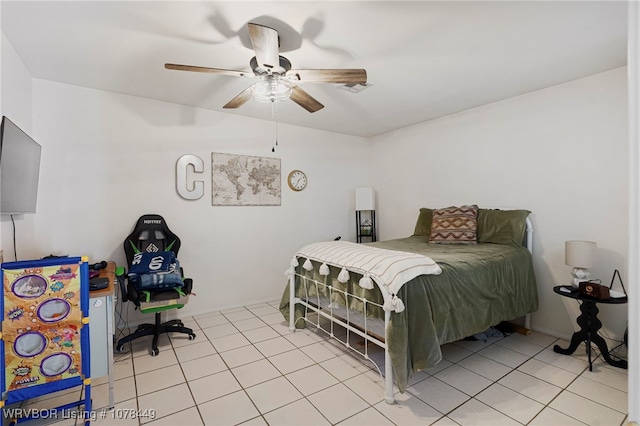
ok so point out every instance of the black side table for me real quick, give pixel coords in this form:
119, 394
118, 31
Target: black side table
589, 326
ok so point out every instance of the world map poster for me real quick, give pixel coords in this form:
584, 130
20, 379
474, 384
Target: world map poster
244, 180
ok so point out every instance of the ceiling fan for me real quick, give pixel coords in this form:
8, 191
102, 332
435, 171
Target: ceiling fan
278, 81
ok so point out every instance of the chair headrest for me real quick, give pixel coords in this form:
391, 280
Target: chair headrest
150, 234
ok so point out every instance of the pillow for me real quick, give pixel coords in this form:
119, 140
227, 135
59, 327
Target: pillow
502, 226
454, 225
423, 225
150, 263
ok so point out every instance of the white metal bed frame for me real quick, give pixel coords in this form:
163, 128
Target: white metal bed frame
369, 329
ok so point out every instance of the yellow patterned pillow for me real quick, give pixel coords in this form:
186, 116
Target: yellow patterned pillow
454, 225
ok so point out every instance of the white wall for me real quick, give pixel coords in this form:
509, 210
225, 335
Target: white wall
17, 105
560, 152
562, 149
109, 158
633, 61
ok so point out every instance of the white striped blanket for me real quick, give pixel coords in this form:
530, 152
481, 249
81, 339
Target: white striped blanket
390, 268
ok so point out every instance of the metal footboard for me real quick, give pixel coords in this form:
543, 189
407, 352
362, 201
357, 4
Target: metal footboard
370, 330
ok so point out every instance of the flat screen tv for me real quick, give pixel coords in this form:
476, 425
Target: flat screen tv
19, 170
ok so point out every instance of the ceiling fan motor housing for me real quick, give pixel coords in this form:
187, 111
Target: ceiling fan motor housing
284, 66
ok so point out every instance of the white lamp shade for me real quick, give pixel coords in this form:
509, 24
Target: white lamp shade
365, 199
580, 254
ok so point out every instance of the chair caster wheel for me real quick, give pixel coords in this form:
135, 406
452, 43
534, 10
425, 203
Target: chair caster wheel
192, 336
155, 352
119, 348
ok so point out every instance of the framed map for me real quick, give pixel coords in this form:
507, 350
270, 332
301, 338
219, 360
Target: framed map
244, 180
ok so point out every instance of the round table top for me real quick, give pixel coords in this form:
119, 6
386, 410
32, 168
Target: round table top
574, 294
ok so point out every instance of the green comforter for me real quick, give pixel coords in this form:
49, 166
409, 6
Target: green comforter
480, 286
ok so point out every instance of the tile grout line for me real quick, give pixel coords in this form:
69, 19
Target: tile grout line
348, 351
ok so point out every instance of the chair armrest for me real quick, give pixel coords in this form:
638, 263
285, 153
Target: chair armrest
127, 290
188, 285
188, 282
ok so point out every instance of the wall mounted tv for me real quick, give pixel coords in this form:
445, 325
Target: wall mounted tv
19, 170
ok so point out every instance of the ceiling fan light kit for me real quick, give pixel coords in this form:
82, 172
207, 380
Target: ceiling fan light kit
278, 80
271, 89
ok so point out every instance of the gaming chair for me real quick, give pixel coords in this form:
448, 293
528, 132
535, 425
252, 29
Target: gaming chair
150, 235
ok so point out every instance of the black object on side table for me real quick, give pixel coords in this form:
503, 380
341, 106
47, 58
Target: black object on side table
589, 325
366, 228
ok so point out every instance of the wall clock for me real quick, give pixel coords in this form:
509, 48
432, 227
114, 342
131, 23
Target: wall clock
297, 180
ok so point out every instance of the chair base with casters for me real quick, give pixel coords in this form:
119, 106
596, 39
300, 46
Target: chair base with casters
151, 235
155, 330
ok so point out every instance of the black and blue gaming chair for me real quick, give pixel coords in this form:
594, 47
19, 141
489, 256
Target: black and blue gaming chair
150, 235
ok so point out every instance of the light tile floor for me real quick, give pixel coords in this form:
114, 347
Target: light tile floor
246, 367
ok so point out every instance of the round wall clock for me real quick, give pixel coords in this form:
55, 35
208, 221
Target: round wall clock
297, 180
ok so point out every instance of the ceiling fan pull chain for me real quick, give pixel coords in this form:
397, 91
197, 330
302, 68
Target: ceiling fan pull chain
274, 116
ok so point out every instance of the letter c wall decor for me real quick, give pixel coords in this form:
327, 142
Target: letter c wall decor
196, 191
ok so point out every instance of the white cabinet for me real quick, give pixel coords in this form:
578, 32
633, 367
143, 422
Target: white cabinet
101, 330
99, 337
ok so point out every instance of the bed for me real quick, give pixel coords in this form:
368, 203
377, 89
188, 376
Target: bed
478, 281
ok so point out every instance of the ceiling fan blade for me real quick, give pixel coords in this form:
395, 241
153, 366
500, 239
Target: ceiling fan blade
265, 43
240, 99
305, 100
208, 70
330, 76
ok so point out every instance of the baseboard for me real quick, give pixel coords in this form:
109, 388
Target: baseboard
553, 333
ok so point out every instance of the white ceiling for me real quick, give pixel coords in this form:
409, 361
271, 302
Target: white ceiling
424, 59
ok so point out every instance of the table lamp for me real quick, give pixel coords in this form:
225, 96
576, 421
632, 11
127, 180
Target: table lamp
581, 255
365, 199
